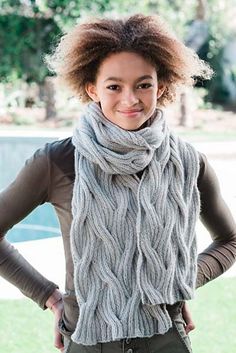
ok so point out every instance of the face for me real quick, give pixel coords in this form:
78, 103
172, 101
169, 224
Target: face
127, 89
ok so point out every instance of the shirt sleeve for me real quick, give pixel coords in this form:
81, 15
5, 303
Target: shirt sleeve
217, 218
26, 192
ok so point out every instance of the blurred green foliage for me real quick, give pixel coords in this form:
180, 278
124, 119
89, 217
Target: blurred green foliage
23, 42
221, 15
29, 29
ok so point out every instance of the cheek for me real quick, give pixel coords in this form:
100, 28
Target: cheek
106, 107
151, 99
108, 100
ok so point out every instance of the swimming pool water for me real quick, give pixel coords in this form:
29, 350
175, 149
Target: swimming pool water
41, 223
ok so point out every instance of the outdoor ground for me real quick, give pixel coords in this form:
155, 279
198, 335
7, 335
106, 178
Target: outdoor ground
24, 328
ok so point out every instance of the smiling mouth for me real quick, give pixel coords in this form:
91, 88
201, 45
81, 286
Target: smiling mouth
130, 112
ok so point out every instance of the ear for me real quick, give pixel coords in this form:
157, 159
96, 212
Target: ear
161, 90
91, 90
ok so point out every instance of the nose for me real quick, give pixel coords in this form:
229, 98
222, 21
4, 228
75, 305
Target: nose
129, 98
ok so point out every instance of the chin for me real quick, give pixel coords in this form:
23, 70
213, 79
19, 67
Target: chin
134, 128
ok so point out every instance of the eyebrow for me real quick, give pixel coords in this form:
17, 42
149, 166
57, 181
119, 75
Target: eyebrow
113, 78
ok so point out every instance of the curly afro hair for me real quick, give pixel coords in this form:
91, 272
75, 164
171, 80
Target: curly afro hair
79, 53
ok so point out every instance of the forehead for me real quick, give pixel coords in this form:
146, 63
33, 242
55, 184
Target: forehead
125, 64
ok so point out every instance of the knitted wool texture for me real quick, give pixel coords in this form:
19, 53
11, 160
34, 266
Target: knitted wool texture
132, 240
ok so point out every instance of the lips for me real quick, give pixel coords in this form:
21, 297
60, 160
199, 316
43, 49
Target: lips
130, 112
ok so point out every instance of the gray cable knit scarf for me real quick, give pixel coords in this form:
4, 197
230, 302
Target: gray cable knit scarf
132, 240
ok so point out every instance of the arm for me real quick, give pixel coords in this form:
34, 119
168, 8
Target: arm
55, 304
217, 218
29, 190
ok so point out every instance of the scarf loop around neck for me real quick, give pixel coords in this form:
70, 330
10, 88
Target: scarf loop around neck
132, 240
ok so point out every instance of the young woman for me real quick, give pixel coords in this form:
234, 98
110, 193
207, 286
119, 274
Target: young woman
127, 193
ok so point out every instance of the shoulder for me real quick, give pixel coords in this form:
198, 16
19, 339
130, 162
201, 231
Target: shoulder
60, 149
55, 157
61, 154
207, 179
203, 166
55, 151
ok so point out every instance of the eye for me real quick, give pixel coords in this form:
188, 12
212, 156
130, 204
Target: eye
144, 85
113, 87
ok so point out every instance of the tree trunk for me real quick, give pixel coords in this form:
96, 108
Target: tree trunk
186, 118
49, 99
201, 10
197, 35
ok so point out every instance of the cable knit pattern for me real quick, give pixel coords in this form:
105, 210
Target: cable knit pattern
132, 240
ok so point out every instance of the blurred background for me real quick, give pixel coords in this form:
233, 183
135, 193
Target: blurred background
34, 110
30, 28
